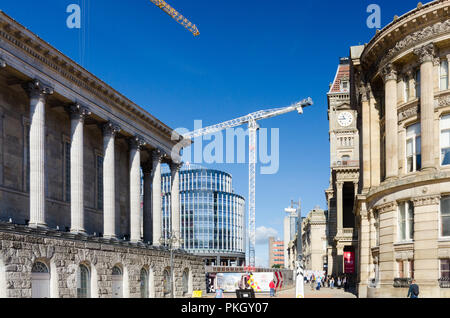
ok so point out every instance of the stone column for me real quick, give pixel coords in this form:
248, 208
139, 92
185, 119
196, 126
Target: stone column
365, 136
426, 243
387, 223
340, 208
136, 144
37, 92
391, 120
375, 153
147, 215
426, 56
109, 180
156, 197
77, 116
364, 251
175, 201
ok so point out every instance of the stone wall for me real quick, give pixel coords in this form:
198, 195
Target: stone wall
21, 247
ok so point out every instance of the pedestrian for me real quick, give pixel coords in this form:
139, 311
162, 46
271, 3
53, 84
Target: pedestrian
319, 281
413, 291
312, 282
339, 282
272, 288
345, 282
332, 282
219, 292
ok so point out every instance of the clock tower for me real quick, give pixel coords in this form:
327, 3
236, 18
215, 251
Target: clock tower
344, 170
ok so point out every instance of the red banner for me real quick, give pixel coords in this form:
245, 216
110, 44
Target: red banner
349, 262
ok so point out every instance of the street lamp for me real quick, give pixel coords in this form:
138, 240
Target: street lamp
170, 242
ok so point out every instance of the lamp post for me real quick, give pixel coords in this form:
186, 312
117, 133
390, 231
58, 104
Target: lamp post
170, 242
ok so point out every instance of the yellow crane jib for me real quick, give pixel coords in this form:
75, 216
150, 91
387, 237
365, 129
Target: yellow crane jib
163, 5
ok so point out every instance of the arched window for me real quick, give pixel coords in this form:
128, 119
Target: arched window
40, 281
144, 283
84, 282
117, 282
166, 282
185, 281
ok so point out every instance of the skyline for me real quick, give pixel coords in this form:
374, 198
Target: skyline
259, 70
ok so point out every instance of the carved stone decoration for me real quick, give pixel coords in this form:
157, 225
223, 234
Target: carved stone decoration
37, 88
425, 53
444, 253
427, 200
404, 255
408, 112
137, 142
2, 63
387, 207
111, 128
365, 91
443, 101
389, 72
416, 37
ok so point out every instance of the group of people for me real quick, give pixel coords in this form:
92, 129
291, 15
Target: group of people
317, 281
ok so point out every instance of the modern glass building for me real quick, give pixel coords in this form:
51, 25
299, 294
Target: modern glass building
212, 215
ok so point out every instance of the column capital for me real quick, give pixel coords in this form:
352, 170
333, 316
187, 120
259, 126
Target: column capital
37, 88
111, 128
175, 166
79, 112
366, 90
157, 155
389, 72
339, 184
2, 63
137, 142
425, 53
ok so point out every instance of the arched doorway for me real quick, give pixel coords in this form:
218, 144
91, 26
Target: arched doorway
83, 282
144, 283
40, 281
117, 282
167, 283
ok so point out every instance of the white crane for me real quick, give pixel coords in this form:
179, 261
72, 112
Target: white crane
251, 120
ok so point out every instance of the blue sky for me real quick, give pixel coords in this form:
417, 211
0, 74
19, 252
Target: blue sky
250, 55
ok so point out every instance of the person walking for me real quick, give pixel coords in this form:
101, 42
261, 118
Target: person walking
413, 291
319, 281
332, 282
313, 278
272, 288
219, 292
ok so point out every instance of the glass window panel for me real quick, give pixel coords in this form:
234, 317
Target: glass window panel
401, 222
445, 216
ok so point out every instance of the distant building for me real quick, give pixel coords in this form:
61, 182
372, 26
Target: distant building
212, 215
276, 252
314, 238
290, 229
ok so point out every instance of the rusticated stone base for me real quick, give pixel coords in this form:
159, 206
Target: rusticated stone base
20, 247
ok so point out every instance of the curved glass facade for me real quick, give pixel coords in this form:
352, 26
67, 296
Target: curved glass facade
212, 216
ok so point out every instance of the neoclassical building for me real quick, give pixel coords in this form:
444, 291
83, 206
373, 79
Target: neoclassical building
212, 216
315, 240
400, 87
72, 151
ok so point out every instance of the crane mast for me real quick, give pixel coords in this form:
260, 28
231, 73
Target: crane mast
251, 120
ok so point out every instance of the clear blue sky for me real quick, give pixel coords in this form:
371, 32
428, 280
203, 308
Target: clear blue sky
250, 55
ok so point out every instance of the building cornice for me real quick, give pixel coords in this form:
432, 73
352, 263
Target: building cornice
31, 45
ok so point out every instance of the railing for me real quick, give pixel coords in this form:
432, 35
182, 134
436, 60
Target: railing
402, 282
444, 282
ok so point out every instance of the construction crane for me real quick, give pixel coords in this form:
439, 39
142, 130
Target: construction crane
251, 121
163, 5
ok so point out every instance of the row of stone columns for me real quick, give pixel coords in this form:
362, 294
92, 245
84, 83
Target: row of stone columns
426, 56
152, 176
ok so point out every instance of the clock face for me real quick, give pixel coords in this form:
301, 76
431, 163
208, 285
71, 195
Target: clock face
345, 119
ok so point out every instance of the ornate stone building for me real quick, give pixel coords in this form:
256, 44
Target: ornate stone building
400, 87
344, 170
71, 154
315, 240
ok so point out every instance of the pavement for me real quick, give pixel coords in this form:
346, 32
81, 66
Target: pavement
290, 293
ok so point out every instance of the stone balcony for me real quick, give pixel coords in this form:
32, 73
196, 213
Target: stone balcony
347, 234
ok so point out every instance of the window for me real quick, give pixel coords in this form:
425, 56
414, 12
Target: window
445, 140
99, 169
84, 281
443, 75
445, 216
445, 268
167, 283
405, 269
117, 282
413, 148
144, 283
40, 281
344, 86
67, 171
417, 78
406, 221
185, 281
